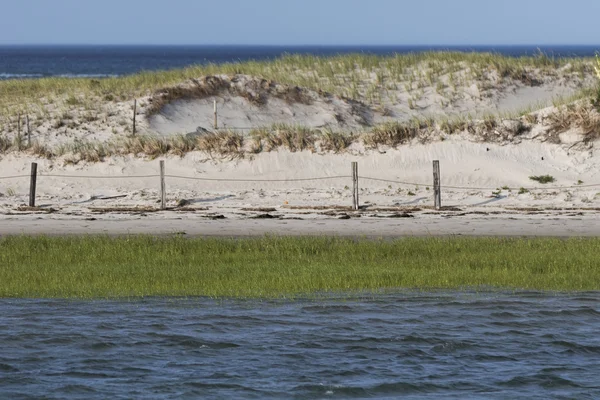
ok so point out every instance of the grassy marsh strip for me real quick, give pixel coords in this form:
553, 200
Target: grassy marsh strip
106, 267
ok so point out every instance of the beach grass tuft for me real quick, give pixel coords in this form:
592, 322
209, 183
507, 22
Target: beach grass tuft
275, 267
542, 178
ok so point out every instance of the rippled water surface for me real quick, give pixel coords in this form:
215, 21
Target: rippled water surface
416, 345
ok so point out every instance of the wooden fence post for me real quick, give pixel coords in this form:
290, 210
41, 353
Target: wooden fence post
355, 202
32, 184
28, 131
19, 129
437, 190
163, 196
134, 113
215, 106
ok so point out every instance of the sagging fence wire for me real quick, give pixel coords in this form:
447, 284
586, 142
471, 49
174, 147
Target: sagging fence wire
480, 188
437, 186
181, 177
321, 178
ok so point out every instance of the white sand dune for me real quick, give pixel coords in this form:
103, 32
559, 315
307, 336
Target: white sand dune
482, 177
235, 111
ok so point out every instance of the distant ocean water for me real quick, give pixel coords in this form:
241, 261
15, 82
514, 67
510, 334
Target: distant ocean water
18, 62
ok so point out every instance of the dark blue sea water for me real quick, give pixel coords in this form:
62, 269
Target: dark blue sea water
429, 345
100, 61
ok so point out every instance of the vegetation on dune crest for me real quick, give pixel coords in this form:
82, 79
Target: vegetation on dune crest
343, 75
230, 144
69, 103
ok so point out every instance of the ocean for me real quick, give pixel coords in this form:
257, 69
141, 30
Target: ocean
416, 345
17, 62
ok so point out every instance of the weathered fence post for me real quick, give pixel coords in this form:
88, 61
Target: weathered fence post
215, 123
437, 191
32, 183
134, 113
28, 131
163, 196
19, 129
355, 203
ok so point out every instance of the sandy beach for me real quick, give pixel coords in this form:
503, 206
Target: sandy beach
280, 162
571, 224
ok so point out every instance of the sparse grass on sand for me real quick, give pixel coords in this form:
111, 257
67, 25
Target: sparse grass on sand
356, 76
67, 104
233, 144
274, 267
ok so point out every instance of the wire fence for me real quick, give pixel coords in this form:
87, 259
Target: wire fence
321, 178
436, 183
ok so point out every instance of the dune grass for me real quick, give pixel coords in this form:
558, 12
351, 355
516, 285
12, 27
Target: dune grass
68, 104
275, 267
230, 144
357, 76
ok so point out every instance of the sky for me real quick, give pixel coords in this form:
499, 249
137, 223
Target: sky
301, 22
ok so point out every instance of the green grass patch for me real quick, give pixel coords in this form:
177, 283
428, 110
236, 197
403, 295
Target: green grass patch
271, 267
542, 178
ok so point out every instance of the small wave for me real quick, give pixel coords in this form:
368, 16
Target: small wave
450, 346
515, 325
76, 389
420, 339
310, 345
368, 340
313, 390
561, 369
493, 358
407, 352
385, 389
102, 346
398, 388
87, 75
9, 76
327, 308
229, 386
517, 332
192, 342
8, 368
577, 348
5, 75
137, 370
223, 375
583, 311
504, 314
63, 340
544, 380
83, 375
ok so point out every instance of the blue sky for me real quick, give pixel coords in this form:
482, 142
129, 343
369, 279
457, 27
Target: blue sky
294, 22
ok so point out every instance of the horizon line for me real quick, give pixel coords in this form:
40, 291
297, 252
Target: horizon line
302, 45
